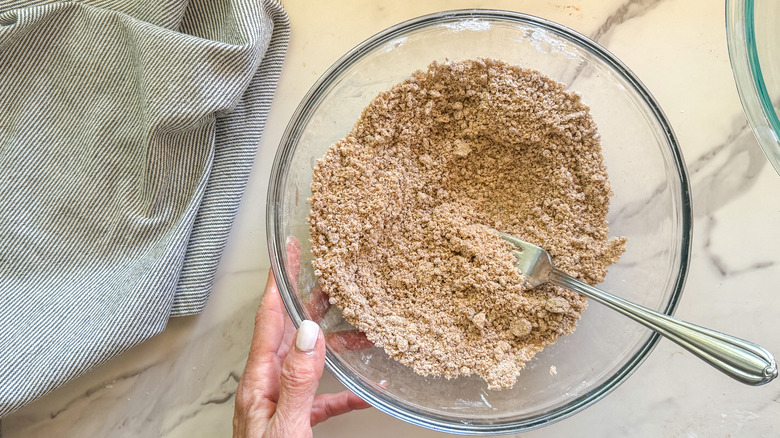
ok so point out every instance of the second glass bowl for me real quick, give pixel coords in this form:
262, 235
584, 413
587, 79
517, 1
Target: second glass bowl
752, 28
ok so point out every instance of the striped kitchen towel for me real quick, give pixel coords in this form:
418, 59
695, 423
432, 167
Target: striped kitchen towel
127, 132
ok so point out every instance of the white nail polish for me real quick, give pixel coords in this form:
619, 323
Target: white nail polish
307, 335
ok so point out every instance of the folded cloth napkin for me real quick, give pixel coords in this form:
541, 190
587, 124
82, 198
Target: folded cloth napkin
127, 132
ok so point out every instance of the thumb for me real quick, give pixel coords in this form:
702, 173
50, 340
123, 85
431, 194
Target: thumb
300, 377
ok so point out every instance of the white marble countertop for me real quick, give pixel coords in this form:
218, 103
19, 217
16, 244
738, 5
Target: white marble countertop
181, 383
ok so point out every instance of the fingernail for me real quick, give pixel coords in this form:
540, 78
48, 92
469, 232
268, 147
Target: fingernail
307, 336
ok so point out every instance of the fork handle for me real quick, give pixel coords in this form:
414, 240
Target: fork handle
740, 359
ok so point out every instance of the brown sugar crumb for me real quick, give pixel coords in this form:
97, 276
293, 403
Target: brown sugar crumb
405, 211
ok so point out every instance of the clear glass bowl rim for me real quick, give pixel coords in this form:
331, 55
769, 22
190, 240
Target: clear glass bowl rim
276, 239
746, 68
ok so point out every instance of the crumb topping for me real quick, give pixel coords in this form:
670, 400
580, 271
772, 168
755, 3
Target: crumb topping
406, 209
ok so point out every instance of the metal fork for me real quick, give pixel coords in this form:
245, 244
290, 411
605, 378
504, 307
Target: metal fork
737, 358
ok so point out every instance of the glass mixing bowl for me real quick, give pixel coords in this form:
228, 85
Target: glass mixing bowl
651, 207
752, 29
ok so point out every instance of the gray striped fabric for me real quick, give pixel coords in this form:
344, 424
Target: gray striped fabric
127, 132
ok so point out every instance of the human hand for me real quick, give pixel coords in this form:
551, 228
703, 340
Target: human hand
276, 394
